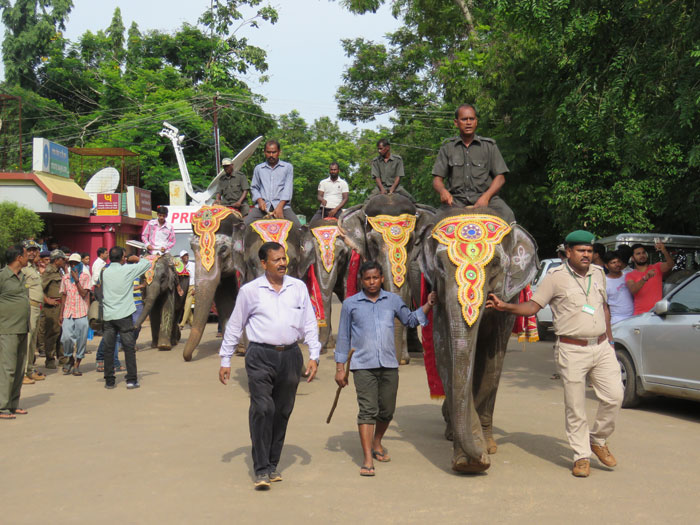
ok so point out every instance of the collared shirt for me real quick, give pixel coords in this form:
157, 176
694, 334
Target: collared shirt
14, 303
190, 269
270, 317
96, 268
568, 293
333, 191
158, 236
620, 300
368, 327
388, 170
231, 187
51, 282
75, 305
469, 171
273, 184
33, 284
118, 288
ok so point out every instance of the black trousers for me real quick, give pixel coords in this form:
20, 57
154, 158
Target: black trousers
125, 327
273, 378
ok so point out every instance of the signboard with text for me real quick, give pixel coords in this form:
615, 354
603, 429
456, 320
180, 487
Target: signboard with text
138, 203
50, 157
108, 204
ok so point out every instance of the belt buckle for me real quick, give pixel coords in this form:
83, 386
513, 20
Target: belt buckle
590, 341
279, 348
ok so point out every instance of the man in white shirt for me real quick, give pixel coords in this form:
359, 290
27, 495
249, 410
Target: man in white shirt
332, 194
189, 266
276, 312
620, 299
102, 255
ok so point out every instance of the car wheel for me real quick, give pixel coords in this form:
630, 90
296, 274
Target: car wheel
629, 379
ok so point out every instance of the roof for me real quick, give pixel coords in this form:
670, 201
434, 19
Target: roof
59, 190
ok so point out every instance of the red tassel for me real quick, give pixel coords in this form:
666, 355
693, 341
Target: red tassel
353, 269
316, 297
434, 384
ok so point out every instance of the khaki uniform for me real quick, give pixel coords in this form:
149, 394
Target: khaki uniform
49, 325
14, 326
468, 172
387, 173
36, 298
578, 312
231, 187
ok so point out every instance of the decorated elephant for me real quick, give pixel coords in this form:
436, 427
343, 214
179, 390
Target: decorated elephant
331, 266
164, 300
468, 254
217, 244
388, 229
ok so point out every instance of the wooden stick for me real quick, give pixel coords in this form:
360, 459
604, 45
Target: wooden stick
340, 388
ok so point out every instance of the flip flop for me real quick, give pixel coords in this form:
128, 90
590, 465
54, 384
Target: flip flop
20, 412
7, 416
366, 471
77, 372
382, 456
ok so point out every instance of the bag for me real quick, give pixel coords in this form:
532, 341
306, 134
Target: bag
95, 312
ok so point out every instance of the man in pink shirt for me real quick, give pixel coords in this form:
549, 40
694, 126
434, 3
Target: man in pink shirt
75, 289
158, 235
645, 281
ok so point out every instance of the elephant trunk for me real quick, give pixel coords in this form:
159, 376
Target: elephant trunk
204, 292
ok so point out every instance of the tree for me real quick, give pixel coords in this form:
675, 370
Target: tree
18, 224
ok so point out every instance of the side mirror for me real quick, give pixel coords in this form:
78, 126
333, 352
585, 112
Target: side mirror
661, 308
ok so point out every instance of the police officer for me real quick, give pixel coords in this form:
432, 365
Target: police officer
576, 291
233, 188
387, 171
36, 298
51, 311
469, 169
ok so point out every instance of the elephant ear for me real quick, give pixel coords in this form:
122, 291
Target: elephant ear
352, 227
519, 260
307, 251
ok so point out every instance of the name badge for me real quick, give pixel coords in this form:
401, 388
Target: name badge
588, 309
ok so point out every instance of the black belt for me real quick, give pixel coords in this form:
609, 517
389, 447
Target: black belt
279, 348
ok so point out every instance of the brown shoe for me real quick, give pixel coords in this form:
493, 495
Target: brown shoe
582, 468
37, 376
27, 381
604, 455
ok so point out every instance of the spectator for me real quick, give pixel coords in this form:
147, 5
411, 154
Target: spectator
189, 268
75, 289
85, 259
625, 252
50, 321
620, 300
99, 263
645, 281
36, 297
598, 254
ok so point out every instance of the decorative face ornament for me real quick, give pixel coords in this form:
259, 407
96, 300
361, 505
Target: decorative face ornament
396, 231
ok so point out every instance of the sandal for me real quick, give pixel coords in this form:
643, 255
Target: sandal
20, 412
122, 368
366, 471
100, 366
7, 416
77, 372
382, 456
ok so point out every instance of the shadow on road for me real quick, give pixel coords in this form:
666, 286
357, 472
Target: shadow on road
348, 442
666, 406
550, 448
290, 455
35, 400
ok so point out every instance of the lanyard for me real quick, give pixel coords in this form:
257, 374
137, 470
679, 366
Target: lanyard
586, 292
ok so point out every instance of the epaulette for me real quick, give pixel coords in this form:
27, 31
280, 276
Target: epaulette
487, 139
396, 156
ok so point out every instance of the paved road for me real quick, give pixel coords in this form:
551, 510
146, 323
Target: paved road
177, 451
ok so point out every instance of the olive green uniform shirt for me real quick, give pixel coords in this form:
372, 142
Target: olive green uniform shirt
36, 292
387, 171
231, 187
14, 303
51, 282
469, 171
567, 293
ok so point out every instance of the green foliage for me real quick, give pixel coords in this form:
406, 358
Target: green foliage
18, 224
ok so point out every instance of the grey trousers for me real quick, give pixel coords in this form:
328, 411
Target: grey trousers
13, 348
496, 204
255, 214
400, 190
30, 358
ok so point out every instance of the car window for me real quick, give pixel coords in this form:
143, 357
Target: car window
687, 299
544, 269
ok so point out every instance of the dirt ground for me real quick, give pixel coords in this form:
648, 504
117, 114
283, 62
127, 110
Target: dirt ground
177, 450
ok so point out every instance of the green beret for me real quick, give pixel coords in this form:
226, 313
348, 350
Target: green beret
579, 237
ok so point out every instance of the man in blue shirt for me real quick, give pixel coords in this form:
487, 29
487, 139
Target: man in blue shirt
367, 326
272, 187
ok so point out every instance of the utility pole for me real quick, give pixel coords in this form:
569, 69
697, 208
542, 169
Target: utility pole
216, 135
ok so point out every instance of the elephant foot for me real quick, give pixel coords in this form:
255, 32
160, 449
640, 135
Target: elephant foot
405, 360
449, 435
491, 446
465, 465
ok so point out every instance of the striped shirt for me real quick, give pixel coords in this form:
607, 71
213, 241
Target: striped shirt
138, 298
75, 305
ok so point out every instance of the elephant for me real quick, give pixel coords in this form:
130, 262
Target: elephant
468, 254
219, 268
331, 265
388, 228
163, 303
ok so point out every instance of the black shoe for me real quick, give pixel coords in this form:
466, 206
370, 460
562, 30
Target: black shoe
262, 482
110, 386
275, 476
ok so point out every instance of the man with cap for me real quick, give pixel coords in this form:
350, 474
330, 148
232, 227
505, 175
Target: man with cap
36, 297
189, 300
159, 235
387, 171
469, 169
576, 291
14, 326
75, 289
51, 311
233, 188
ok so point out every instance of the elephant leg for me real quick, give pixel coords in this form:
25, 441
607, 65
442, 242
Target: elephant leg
463, 462
488, 365
449, 433
400, 341
324, 332
167, 321
155, 317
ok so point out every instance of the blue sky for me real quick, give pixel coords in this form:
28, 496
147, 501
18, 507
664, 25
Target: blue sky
303, 49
